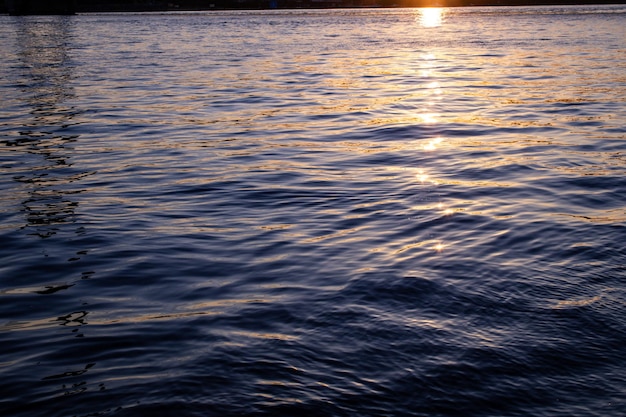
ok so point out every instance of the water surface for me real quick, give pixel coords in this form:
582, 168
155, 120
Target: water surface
327, 213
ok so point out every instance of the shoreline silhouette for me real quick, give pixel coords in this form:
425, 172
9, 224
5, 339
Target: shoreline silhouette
68, 7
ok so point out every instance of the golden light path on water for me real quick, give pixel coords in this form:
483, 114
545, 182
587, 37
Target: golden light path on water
432, 17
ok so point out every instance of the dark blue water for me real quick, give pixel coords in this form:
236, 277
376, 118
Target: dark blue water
314, 213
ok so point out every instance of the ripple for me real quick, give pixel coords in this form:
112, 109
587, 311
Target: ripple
270, 213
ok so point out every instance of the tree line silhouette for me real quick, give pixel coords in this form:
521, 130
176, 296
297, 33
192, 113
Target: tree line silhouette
24, 7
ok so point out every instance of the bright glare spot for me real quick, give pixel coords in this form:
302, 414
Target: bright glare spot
439, 246
431, 17
429, 118
446, 210
422, 176
434, 87
431, 145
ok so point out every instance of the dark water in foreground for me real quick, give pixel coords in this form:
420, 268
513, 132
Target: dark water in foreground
314, 213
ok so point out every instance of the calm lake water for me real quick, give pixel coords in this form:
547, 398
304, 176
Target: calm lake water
324, 213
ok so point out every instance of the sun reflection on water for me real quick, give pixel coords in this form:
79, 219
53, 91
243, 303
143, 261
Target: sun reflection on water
422, 176
432, 144
430, 17
430, 113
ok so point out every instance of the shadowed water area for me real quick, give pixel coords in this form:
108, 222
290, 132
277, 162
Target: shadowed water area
396, 212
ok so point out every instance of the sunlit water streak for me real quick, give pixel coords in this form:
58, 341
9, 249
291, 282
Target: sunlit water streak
326, 213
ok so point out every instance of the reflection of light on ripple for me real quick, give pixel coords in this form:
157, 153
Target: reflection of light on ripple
431, 145
446, 210
435, 88
429, 118
431, 17
422, 176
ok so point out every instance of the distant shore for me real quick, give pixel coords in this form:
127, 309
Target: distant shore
24, 7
